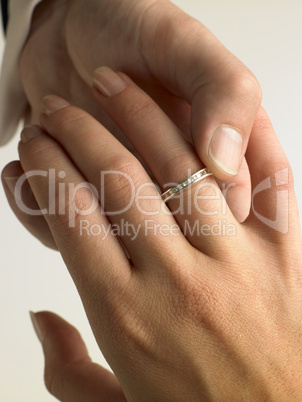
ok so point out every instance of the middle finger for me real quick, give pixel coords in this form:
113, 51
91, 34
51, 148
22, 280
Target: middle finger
118, 177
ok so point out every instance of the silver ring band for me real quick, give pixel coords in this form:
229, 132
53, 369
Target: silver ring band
201, 174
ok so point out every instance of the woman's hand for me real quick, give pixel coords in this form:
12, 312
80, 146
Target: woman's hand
180, 314
170, 54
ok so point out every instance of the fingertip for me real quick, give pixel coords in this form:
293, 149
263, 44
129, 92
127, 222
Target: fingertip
36, 225
225, 150
37, 326
69, 372
12, 169
223, 113
10, 175
29, 132
108, 82
52, 103
55, 333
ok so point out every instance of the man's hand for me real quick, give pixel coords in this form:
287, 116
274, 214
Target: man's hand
210, 95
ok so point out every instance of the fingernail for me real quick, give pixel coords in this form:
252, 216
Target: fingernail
11, 183
30, 132
108, 82
52, 103
37, 326
226, 148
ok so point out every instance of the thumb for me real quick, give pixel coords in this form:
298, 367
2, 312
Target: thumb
160, 43
225, 96
70, 375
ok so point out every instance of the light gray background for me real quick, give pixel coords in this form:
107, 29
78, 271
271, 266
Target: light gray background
266, 36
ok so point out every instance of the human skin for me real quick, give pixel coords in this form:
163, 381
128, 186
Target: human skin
194, 318
175, 58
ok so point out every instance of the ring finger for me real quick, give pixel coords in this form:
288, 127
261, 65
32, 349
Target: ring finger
199, 208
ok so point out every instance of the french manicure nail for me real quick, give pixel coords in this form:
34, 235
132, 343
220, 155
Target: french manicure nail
37, 326
226, 149
52, 103
108, 82
30, 132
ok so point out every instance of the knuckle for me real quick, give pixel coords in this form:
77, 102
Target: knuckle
245, 86
262, 121
82, 198
68, 211
69, 119
82, 202
121, 163
278, 165
122, 177
145, 110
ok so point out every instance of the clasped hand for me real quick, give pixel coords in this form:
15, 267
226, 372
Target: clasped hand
200, 306
179, 316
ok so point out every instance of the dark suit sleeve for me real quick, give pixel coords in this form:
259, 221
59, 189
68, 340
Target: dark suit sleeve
4, 9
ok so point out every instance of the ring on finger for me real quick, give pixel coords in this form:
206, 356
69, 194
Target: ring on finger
201, 174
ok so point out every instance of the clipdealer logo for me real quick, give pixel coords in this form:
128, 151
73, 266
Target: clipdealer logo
62, 198
151, 227
280, 223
